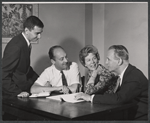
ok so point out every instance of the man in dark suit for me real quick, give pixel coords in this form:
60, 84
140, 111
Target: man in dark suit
17, 74
132, 84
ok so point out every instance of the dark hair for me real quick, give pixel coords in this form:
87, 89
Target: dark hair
85, 51
51, 51
120, 51
31, 22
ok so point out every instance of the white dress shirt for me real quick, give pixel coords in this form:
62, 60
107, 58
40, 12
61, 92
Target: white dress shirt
53, 76
26, 39
121, 75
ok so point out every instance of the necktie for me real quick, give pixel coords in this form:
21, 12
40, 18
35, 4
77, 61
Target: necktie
30, 47
117, 84
64, 81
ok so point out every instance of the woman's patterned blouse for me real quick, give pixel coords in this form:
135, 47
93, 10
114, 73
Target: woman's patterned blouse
105, 82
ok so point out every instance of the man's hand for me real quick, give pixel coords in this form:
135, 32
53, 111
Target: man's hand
65, 90
83, 96
23, 94
58, 88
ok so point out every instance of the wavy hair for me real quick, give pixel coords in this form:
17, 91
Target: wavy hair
85, 51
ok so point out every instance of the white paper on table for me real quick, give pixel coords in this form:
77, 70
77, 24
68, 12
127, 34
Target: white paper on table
42, 94
54, 97
66, 97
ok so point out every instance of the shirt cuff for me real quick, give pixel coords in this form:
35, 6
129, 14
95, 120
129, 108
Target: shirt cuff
92, 96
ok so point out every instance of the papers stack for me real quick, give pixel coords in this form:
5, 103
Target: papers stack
66, 97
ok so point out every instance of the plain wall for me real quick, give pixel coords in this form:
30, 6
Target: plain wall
65, 26
98, 30
127, 24
75, 25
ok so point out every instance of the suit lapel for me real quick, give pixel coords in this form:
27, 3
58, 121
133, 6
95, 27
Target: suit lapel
24, 42
127, 71
26, 50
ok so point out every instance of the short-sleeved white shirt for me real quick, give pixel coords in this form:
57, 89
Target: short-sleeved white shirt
53, 76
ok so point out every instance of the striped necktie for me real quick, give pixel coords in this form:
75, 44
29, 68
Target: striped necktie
64, 81
117, 84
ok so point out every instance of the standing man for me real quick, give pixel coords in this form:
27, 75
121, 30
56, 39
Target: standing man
132, 84
62, 76
17, 74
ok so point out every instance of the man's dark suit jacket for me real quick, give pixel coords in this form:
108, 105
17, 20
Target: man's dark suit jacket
134, 88
17, 74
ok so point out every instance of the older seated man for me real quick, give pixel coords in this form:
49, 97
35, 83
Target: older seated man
132, 84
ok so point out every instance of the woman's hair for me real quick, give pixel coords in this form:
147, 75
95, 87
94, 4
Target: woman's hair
85, 51
120, 51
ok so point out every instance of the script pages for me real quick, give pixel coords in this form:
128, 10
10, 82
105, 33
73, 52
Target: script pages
66, 97
42, 94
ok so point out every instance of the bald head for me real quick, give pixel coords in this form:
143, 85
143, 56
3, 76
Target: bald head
58, 57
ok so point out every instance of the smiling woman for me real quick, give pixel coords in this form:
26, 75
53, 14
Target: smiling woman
13, 16
100, 80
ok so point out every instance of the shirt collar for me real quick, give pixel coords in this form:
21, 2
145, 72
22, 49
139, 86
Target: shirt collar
56, 70
122, 73
26, 39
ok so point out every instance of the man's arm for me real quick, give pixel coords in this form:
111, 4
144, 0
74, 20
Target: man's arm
127, 92
10, 61
36, 88
32, 76
43, 83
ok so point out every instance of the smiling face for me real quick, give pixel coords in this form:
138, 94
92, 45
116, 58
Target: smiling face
60, 59
33, 34
91, 62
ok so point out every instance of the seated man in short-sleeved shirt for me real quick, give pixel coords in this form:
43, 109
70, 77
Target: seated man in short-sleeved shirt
51, 78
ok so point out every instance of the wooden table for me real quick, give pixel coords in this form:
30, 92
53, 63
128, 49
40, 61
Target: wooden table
35, 109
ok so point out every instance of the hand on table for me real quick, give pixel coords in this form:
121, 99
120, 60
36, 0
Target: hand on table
63, 89
83, 96
23, 94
